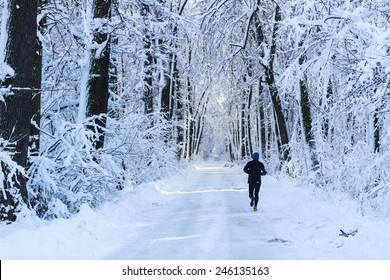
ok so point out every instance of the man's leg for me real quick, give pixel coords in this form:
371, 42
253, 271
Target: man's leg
251, 195
256, 196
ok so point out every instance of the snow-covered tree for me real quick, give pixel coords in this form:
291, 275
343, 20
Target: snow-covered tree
17, 79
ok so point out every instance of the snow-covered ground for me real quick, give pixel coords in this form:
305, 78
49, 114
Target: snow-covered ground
204, 213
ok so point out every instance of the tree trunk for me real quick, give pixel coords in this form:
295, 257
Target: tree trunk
148, 63
36, 98
306, 117
263, 136
98, 86
378, 79
249, 125
280, 122
16, 110
113, 71
325, 121
377, 144
190, 114
243, 142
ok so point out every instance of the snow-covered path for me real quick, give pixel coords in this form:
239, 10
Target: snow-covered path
204, 213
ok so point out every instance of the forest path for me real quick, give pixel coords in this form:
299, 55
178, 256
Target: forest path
205, 214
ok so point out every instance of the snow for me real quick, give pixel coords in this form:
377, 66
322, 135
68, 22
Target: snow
203, 213
5, 69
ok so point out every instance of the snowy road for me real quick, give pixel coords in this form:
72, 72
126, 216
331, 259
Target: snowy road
204, 213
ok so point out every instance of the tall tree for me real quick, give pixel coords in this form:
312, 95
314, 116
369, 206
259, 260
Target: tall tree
149, 61
306, 116
16, 108
36, 98
270, 79
98, 92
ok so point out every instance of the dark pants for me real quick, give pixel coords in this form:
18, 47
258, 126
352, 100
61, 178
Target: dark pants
254, 192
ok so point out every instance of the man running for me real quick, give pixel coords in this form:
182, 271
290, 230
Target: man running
254, 169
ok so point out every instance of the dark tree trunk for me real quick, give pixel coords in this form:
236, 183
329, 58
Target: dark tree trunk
377, 144
36, 98
325, 122
263, 137
98, 92
16, 110
306, 118
249, 126
148, 63
306, 114
113, 71
166, 95
242, 142
378, 79
190, 115
280, 122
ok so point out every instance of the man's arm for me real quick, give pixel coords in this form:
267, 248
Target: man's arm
263, 172
246, 169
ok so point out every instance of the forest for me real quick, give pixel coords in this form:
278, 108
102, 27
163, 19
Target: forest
101, 95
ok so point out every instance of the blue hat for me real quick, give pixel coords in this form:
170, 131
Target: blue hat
255, 155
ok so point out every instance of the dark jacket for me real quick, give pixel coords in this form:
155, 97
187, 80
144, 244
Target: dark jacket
254, 169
